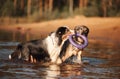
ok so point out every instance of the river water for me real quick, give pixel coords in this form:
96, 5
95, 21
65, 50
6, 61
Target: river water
100, 61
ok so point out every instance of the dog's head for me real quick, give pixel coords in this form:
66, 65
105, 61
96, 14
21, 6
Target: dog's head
82, 30
62, 33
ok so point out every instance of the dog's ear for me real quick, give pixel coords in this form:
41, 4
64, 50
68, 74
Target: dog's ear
85, 30
60, 33
62, 30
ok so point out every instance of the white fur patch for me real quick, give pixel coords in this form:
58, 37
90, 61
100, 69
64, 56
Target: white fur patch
53, 48
10, 57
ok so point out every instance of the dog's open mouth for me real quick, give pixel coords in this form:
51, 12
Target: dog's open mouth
66, 36
78, 40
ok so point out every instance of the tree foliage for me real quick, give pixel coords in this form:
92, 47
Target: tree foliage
50, 9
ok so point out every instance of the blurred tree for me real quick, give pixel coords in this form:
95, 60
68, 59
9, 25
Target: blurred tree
59, 8
50, 6
71, 7
28, 8
104, 7
7, 8
117, 5
46, 5
110, 3
109, 7
41, 7
22, 5
15, 6
83, 3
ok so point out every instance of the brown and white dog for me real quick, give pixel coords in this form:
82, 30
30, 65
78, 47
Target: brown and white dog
68, 50
47, 49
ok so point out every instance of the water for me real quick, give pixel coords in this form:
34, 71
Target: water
100, 61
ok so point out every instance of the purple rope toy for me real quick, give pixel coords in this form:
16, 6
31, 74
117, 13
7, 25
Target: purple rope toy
79, 46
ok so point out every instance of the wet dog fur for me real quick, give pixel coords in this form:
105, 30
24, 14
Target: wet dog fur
69, 51
46, 50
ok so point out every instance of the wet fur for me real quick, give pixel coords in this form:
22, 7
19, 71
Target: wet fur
41, 50
68, 50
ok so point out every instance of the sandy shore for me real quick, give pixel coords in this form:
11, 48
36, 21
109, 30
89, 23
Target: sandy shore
106, 29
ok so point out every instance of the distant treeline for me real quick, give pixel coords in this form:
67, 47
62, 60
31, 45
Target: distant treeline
51, 9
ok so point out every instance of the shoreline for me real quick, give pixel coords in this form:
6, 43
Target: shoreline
100, 28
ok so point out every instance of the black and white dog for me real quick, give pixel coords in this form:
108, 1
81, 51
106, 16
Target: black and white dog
68, 50
47, 49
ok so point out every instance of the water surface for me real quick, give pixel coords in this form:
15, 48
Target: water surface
100, 61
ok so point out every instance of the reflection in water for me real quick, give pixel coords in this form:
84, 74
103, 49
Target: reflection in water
53, 72
63, 71
70, 70
102, 63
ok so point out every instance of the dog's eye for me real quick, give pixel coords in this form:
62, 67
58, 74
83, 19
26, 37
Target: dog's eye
81, 28
59, 32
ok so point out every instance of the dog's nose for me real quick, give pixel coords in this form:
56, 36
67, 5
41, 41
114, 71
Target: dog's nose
71, 32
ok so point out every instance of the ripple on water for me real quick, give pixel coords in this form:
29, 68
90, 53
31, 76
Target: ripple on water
92, 70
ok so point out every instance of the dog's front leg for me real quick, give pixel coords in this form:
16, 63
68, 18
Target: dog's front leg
79, 57
32, 59
58, 61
